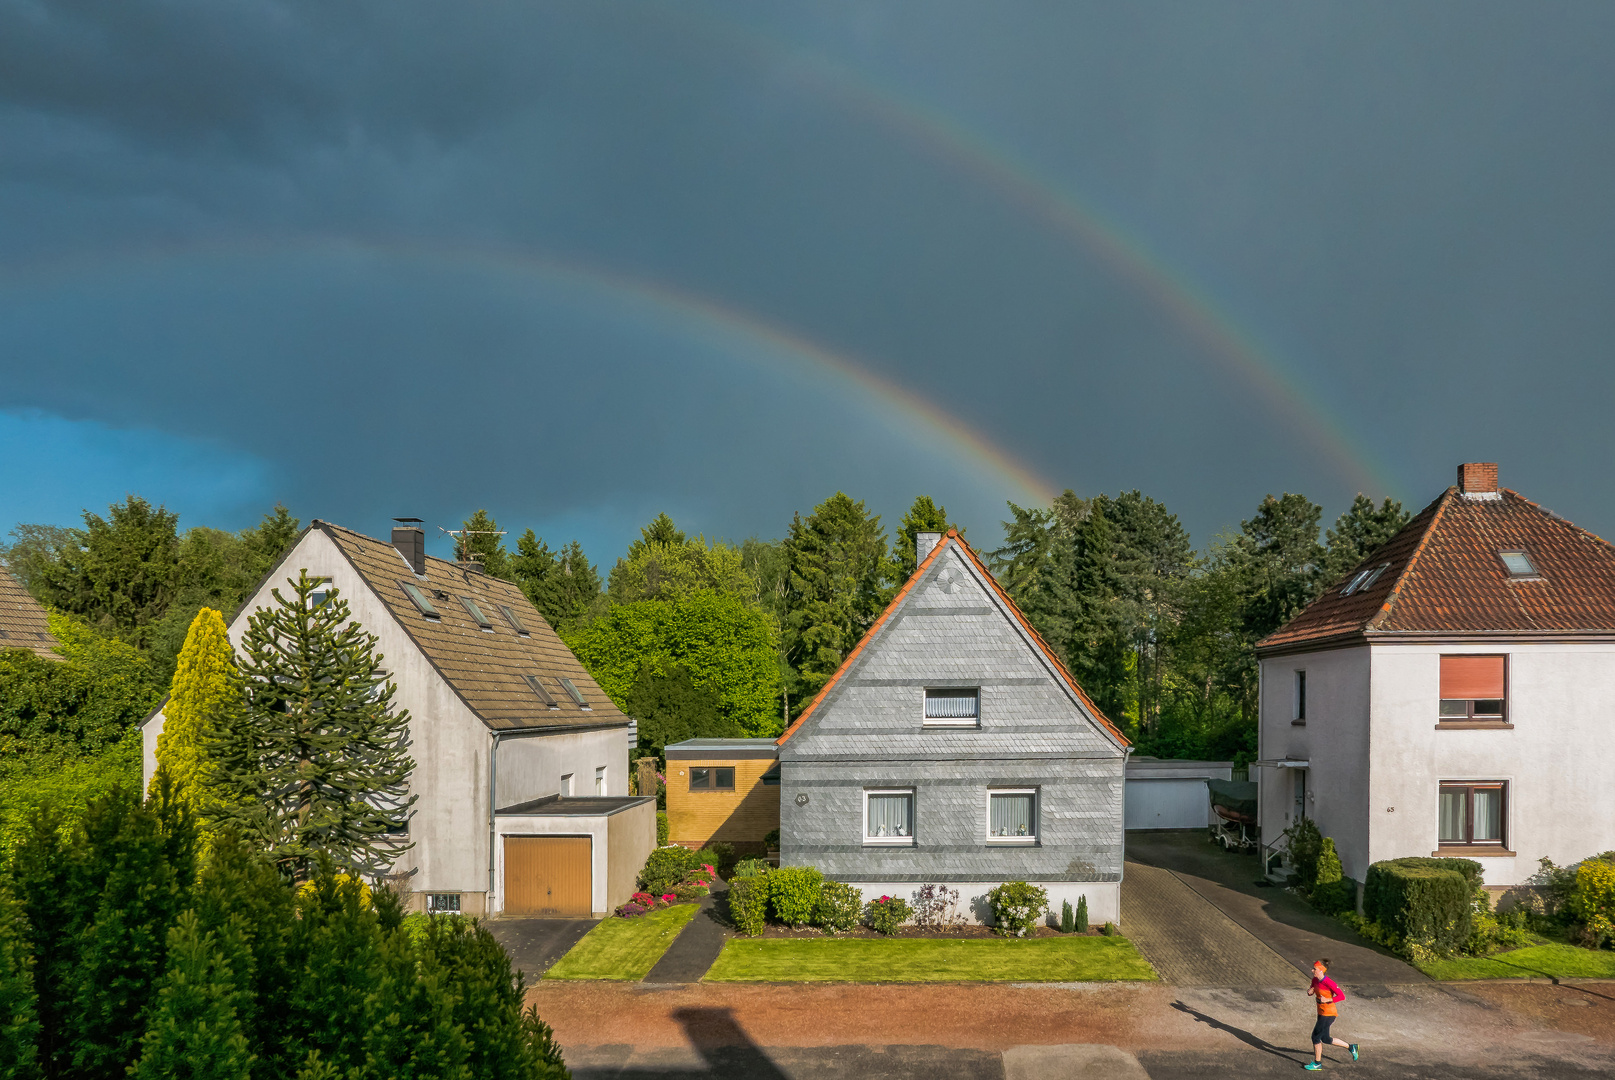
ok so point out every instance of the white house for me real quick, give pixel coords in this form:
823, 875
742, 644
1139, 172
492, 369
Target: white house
1452, 695
521, 760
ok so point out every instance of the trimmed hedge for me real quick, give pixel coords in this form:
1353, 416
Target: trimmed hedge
1423, 900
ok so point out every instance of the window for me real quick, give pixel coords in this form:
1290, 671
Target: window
574, 693
1473, 688
1364, 578
1518, 564
566, 783
418, 598
952, 707
319, 597
600, 780
889, 817
543, 695
719, 778
443, 903
510, 617
1300, 697
476, 614
1472, 814
1012, 815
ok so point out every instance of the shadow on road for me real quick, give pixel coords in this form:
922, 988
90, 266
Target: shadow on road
720, 1040
1244, 1036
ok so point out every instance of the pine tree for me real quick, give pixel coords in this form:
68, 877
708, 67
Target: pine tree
562, 585
479, 541
838, 586
316, 759
416, 1035
335, 950
206, 690
19, 1003
1358, 533
924, 516
1279, 554
121, 578
196, 1031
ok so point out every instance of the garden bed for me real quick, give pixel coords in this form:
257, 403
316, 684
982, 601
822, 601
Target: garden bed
956, 958
624, 948
967, 931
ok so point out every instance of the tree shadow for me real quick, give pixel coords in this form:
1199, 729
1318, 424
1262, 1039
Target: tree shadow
1244, 1036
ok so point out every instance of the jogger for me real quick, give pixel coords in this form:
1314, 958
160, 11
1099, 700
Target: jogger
1329, 995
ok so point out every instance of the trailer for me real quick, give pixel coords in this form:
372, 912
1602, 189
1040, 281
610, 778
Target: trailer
1234, 804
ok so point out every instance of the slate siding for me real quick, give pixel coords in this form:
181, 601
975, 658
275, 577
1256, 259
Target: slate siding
951, 630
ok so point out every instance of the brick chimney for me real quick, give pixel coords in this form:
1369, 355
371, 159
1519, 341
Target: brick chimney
1478, 478
410, 540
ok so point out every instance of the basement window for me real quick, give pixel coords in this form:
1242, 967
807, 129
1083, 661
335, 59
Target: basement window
475, 612
441, 903
1518, 564
510, 617
573, 692
418, 598
543, 695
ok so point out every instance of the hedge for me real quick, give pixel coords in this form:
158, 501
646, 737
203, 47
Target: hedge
1423, 900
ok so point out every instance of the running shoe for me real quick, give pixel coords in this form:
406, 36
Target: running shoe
1312, 1066
1353, 1049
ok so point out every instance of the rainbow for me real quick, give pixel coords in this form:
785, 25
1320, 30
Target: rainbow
1189, 305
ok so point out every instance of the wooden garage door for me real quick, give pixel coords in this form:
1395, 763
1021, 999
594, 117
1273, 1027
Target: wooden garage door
548, 875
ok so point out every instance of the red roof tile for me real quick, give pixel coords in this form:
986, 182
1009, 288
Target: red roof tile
1445, 577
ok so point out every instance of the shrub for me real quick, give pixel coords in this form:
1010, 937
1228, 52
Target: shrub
936, 907
1429, 907
722, 856
771, 840
1331, 892
1068, 918
1082, 914
886, 914
1593, 902
794, 892
1305, 847
839, 907
1017, 907
748, 903
1109, 929
666, 868
747, 868
691, 890
661, 829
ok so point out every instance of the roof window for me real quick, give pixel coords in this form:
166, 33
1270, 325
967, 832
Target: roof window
510, 617
1364, 578
418, 598
573, 692
475, 612
543, 695
1518, 564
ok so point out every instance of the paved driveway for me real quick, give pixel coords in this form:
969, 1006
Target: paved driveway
535, 944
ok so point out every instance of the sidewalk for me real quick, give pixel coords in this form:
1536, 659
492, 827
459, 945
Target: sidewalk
697, 946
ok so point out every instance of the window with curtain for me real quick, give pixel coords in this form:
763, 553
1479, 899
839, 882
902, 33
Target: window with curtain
889, 817
952, 707
1474, 688
1012, 815
1471, 814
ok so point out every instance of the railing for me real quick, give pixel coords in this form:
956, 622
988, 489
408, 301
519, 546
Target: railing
1242, 775
1273, 852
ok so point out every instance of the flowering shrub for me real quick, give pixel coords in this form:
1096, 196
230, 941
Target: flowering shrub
632, 910
839, 905
666, 867
691, 890
886, 914
1017, 907
936, 907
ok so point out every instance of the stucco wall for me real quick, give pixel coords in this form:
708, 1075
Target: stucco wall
631, 834
614, 844
1334, 739
531, 766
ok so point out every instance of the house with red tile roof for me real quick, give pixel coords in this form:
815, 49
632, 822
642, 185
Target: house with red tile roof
953, 747
1453, 695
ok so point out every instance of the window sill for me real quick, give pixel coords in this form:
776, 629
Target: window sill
1473, 725
1012, 841
1298, 723
1468, 851
888, 841
959, 725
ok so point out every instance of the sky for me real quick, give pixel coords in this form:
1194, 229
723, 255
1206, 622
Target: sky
581, 263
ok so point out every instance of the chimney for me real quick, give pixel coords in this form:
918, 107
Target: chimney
924, 544
1478, 478
410, 540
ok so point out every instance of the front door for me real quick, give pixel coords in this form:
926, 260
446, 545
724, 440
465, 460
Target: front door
1300, 794
549, 876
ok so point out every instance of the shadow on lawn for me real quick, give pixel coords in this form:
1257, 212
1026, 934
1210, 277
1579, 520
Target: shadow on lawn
719, 1039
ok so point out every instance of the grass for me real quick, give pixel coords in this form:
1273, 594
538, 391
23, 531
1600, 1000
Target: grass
905, 960
623, 948
1533, 962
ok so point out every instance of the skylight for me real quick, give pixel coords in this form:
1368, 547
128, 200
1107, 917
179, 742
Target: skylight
543, 695
418, 598
1364, 578
475, 612
574, 692
1518, 563
510, 617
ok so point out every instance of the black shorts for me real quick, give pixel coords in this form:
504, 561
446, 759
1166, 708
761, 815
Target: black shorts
1320, 1030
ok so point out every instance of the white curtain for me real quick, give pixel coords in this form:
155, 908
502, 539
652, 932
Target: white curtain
1011, 816
950, 704
1488, 814
1452, 816
891, 815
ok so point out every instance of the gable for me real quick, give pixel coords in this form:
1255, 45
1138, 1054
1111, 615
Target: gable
23, 624
951, 626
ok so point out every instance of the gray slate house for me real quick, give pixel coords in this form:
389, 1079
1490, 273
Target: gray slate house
952, 746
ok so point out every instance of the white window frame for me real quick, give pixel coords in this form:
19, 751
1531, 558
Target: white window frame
566, 783
1037, 815
433, 901
600, 780
950, 721
913, 813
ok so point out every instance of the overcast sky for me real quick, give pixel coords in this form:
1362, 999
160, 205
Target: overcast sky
581, 263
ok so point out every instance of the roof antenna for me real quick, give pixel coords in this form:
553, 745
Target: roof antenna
463, 554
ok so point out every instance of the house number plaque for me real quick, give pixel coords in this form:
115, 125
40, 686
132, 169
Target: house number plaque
802, 799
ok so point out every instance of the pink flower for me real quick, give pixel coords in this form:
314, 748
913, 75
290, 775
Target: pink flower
708, 869
669, 896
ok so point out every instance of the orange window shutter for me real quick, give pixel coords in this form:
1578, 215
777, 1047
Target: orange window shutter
1472, 676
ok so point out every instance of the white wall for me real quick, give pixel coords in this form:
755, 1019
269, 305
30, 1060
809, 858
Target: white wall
1559, 759
550, 825
1335, 739
531, 766
1104, 897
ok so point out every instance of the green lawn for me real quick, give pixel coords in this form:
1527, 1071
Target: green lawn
1533, 962
887, 960
623, 948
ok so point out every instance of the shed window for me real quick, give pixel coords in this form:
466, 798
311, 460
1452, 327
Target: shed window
952, 707
889, 817
418, 598
1474, 687
1518, 564
574, 693
543, 695
510, 617
719, 778
1012, 815
475, 612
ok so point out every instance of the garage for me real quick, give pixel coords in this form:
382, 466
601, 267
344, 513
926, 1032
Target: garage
549, 876
1165, 794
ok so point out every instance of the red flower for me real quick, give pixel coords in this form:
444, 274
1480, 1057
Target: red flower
669, 896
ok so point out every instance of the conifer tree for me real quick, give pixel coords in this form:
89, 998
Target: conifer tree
479, 540
196, 1031
562, 585
924, 516
206, 690
19, 1003
316, 759
838, 585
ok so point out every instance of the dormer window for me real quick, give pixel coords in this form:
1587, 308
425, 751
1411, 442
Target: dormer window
952, 707
1518, 564
476, 614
